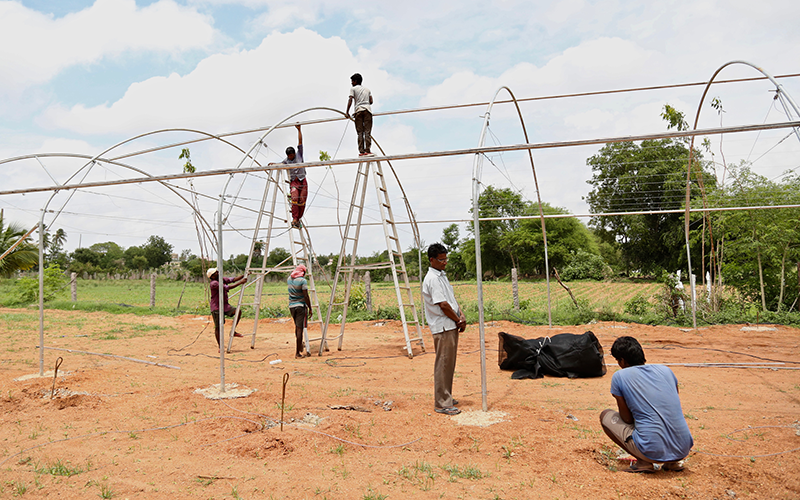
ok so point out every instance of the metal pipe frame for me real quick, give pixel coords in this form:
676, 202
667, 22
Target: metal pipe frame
407, 156
94, 160
476, 180
780, 93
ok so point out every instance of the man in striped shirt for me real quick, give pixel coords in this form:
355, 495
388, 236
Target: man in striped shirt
299, 306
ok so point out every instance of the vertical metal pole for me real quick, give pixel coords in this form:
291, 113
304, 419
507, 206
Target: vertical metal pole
153, 290
479, 266
41, 294
515, 288
73, 285
221, 295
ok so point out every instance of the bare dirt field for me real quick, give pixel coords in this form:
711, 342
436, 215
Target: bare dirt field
360, 422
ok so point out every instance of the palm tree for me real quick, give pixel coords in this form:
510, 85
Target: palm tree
23, 257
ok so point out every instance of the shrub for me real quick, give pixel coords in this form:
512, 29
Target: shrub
28, 287
637, 306
585, 266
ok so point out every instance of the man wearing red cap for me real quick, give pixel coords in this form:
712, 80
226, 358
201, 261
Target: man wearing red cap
228, 310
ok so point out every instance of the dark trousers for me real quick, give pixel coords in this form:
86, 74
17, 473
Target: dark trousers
299, 191
299, 317
363, 121
215, 318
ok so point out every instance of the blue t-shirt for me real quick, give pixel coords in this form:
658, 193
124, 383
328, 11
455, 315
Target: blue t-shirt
296, 287
651, 393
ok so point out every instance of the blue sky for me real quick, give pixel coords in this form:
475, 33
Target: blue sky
81, 76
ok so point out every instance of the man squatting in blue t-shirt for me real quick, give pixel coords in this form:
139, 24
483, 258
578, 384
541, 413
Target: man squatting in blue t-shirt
650, 424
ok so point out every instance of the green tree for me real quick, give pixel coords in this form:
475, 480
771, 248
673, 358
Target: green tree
518, 242
55, 249
279, 256
646, 177
157, 252
23, 257
130, 254
112, 257
456, 267
760, 246
86, 256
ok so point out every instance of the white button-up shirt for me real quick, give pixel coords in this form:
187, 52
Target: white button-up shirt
436, 288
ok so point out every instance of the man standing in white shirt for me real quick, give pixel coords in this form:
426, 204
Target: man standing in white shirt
445, 320
362, 114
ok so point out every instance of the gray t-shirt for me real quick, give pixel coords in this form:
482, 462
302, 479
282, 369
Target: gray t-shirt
361, 95
298, 173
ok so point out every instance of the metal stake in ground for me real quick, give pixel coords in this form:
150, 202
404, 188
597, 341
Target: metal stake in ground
283, 397
55, 376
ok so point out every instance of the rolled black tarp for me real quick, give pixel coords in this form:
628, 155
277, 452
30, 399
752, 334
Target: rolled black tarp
562, 355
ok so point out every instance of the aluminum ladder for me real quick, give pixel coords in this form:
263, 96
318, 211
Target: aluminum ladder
395, 262
299, 248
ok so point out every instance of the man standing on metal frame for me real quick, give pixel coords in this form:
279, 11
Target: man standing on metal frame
362, 114
298, 185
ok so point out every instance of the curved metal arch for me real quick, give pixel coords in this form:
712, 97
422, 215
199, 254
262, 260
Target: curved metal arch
90, 164
222, 220
476, 174
781, 93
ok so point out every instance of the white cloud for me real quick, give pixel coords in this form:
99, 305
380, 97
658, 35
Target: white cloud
34, 47
287, 16
604, 62
592, 119
242, 89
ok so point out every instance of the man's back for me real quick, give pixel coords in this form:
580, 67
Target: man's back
651, 393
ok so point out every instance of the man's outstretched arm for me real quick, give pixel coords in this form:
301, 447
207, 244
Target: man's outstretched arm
299, 136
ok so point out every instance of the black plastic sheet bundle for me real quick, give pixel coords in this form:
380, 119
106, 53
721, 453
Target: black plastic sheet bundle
563, 355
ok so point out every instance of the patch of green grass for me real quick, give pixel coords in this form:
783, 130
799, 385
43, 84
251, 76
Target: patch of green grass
421, 473
106, 491
59, 468
371, 495
338, 450
284, 407
18, 488
467, 472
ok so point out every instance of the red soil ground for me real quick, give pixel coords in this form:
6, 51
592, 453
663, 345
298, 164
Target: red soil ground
121, 429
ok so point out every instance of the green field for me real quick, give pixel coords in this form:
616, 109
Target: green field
603, 301
134, 296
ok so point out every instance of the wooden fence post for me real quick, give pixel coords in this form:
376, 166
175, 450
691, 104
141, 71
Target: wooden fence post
73, 285
515, 287
153, 290
368, 291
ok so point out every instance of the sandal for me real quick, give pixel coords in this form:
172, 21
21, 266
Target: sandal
448, 411
639, 467
673, 466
